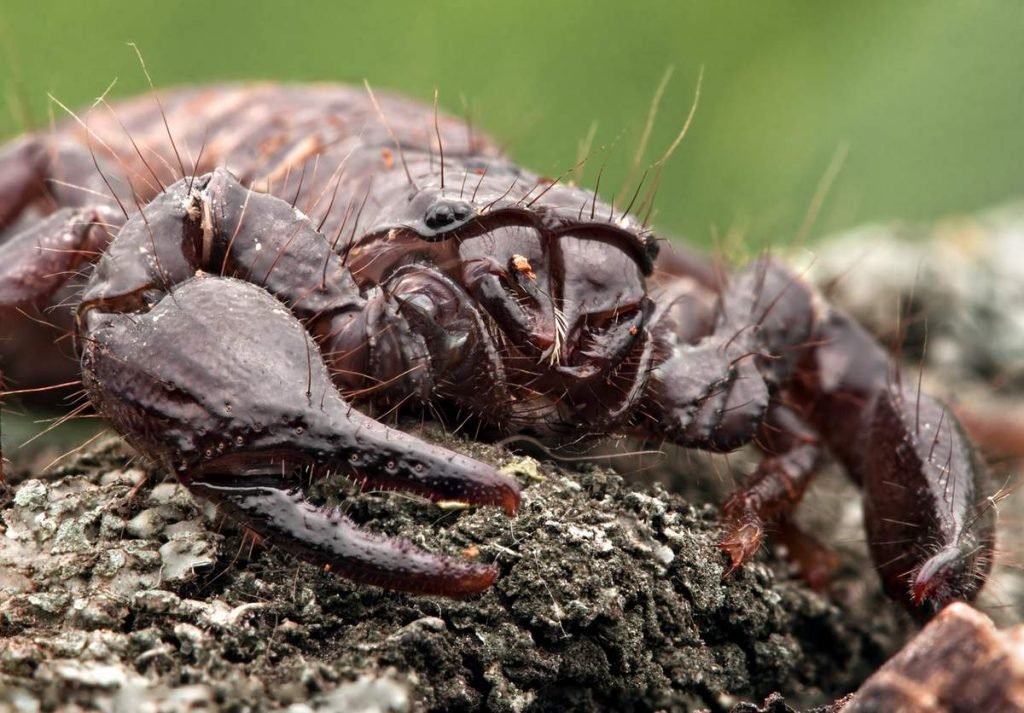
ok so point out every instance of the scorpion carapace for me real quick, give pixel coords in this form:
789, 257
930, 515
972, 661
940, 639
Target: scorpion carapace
324, 252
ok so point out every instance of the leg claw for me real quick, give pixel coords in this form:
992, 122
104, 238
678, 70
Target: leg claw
742, 543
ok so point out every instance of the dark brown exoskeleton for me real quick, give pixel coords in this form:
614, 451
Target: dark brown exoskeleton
230, 335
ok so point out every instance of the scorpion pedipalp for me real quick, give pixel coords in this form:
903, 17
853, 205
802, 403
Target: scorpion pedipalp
222, 384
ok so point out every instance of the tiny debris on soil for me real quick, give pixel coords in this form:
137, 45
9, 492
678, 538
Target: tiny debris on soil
117, 588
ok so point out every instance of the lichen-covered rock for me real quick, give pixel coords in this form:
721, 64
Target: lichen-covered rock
115, 586
954, 291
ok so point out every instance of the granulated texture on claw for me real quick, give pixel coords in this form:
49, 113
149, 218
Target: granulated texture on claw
616, 602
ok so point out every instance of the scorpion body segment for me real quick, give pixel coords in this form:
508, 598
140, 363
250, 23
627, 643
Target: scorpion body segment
300, 255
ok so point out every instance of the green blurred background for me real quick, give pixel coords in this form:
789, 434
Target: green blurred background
928, 96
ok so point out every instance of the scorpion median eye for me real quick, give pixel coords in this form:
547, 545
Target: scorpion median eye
447, 214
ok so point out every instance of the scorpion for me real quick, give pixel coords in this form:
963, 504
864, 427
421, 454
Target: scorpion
242, 314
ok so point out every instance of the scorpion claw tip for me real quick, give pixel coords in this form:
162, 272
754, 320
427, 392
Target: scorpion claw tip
741, 544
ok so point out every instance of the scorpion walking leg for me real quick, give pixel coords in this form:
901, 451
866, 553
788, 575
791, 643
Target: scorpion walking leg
23, 172
817, 563
929, 522
43, 252
774, 490
38, 259
36, 262
237, 401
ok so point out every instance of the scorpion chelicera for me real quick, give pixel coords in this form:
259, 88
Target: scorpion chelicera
325, 252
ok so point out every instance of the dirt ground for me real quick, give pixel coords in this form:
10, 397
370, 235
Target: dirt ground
612, 596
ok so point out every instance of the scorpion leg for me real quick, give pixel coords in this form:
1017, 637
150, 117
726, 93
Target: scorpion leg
794, 453
23, 169
41, 252
713, 389
220, 379
38, 259
929, 522
927, 510
816, 562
